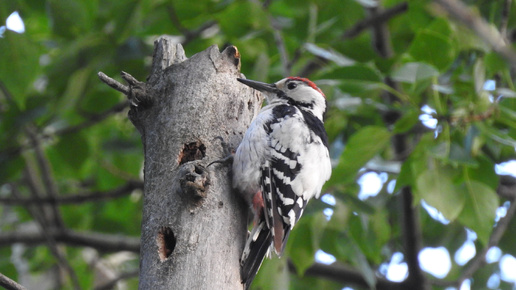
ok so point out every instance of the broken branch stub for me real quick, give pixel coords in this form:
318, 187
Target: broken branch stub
185, 106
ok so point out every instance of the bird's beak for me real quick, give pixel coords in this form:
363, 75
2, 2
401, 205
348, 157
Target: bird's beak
262, 87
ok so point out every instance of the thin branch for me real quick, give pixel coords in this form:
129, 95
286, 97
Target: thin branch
380, 34
10, 284
411, 228
188, 34
381, 17
110, 284
497, 234
463, 14
98, 241
113, 83
507, 187
412, 241
506, 10
45, 172
121, 191
374, 19
346, 275
92, 120
39, 211
51, 242
280, 44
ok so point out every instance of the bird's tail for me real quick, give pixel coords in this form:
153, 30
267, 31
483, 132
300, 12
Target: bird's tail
256, 247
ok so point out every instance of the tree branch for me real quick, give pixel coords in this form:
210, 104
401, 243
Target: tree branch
110, 284
188, 34
376, 19
411, 231
506, 11
98, 241
488, 33
45, 172
480, 259
10, 284
280, 44
50, 241
341, 273
113, 83
77, 198
412, 241
92, 120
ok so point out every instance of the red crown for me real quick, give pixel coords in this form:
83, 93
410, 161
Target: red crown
308, 82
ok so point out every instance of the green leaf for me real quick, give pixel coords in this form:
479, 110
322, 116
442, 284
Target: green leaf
304, 241
363, 246
19, 65
407, 121
414, 72
370, 232
496, 135
433, 48
273, 274
69, 18
73, 150
436, 188
479, 210
357, 73
234, 25
362, 146
484, 172
416, 163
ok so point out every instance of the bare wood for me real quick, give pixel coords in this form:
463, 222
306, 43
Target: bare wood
459, 11
10, 284
193, 226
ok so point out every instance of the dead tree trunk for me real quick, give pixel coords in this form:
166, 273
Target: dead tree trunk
193, 226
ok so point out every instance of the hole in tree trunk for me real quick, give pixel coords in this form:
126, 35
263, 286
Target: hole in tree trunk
166, 242
192, 151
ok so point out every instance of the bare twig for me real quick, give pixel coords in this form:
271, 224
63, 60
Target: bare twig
411, 228
188, 34
110, 284
380, 17
374, 19
507, 187
463, 14
92, 120
121, 191
412, 241
45, 171
505, 18
113, 83
480, 259
347, 275
98, 241
51, 242
280, 44
10, 284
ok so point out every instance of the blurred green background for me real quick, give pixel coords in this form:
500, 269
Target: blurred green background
417, 101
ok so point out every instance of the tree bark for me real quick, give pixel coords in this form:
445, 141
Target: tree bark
194, 226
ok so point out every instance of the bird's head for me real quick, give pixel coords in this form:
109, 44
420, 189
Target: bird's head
297, 91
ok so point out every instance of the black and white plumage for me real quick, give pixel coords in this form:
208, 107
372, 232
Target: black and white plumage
282, 162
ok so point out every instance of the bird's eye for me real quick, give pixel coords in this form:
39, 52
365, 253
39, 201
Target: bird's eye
291, 86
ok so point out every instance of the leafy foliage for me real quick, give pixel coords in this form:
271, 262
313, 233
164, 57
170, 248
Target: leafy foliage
64, 133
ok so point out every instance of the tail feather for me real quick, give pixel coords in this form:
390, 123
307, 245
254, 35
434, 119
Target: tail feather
256, 248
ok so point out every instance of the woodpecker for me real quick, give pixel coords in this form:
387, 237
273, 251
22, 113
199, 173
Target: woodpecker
282, 162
